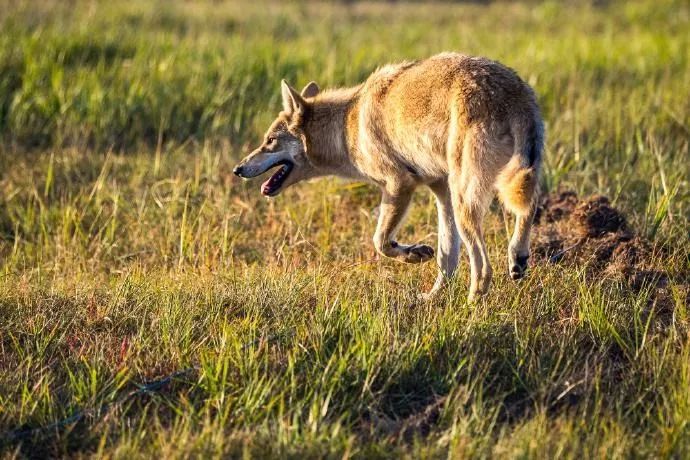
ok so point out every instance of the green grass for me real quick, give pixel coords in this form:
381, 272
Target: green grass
129, 251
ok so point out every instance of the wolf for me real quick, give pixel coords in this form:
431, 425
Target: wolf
468, 128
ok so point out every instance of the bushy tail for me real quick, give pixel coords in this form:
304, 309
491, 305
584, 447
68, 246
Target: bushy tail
518, 182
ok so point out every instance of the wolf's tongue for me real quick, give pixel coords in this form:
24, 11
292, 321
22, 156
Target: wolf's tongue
274, 182
266, 187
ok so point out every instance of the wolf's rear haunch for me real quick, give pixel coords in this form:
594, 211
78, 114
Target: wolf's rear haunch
466, 127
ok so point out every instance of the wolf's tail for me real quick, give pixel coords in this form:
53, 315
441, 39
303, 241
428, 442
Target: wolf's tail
518, 182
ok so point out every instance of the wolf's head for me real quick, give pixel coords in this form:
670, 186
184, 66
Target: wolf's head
284, 145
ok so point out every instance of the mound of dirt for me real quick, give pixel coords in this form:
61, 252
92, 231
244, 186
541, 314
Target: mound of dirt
592, 233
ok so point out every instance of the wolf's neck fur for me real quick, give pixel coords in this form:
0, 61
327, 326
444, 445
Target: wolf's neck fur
326, 128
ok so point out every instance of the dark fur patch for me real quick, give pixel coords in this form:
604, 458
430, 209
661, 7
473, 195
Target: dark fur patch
411, 170
535, 142
522, 261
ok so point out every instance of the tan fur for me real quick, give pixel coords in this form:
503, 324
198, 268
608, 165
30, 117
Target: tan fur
467, 127
517, 187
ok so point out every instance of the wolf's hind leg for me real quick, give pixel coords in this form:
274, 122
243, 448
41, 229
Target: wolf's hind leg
470, 184
518, 189
469, 213
518, 248
392, 211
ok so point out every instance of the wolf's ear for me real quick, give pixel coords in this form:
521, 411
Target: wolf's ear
311, 90
292, 101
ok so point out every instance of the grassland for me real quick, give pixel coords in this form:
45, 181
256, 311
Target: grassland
128, 251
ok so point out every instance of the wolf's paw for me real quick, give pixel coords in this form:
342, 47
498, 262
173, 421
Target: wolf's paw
518, 267
418, 253
427, 296
476, 296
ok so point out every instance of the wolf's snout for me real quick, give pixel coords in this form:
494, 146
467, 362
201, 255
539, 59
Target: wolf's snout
238, 171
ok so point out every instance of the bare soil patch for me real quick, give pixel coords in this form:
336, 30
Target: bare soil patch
593, 234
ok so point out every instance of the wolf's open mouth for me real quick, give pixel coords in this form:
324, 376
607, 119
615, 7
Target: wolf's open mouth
273, 184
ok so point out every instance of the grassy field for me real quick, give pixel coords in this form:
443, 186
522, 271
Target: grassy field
128, 251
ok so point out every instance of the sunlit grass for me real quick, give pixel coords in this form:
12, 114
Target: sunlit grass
129, 251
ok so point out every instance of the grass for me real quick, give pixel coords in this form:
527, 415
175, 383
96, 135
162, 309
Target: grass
129, 251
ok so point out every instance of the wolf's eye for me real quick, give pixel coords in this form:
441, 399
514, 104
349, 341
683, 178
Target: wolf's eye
270, 140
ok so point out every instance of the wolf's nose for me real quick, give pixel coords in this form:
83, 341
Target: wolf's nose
237, 171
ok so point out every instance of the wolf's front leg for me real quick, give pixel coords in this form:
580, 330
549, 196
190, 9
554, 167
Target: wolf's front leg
448, 238
392, 211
